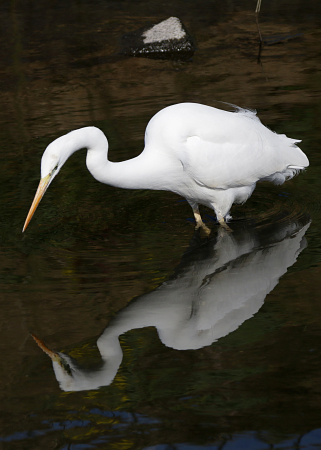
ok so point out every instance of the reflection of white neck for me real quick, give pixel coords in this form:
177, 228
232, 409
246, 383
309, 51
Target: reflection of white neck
213, 292
72, 378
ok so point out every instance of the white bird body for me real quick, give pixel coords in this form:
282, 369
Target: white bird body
208, 156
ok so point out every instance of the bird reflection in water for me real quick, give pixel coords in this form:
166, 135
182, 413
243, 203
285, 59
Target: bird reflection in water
216, 287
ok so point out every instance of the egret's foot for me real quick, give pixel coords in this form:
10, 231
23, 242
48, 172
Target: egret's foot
200, 224
224, 225
203, 228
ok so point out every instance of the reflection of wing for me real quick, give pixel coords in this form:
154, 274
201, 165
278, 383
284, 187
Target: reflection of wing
234, 294
216, 146
213, 296
215, 289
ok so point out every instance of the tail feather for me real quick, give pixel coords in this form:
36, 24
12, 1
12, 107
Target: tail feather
287, 174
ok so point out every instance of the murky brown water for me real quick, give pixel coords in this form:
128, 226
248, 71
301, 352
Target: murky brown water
100, 266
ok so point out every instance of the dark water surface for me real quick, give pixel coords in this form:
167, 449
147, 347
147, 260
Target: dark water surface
173, 341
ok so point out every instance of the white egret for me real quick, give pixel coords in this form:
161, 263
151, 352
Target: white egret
208, 156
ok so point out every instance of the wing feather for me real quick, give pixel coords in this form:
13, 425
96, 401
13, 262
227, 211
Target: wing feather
221, 149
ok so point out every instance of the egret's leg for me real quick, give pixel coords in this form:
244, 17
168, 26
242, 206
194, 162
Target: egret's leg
222, 223
199, 221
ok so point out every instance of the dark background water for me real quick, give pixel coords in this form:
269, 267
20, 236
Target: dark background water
91, 249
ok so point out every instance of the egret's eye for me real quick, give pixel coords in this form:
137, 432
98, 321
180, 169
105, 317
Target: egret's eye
65, 366
54, 169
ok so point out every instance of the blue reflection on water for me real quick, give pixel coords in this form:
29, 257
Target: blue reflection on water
251, 441
55, 426
244, 441
311, 439
125, 416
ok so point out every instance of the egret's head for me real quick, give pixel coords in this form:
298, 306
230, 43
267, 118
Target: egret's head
51, 161
57, 153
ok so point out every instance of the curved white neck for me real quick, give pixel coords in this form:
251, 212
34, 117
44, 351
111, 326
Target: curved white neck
142, 172
152, 169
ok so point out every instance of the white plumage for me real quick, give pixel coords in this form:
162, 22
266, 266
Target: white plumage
208, 156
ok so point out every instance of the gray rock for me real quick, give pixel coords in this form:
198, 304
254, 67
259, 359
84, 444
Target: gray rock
168, 39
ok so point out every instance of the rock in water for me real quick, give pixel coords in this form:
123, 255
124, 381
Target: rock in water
168, 39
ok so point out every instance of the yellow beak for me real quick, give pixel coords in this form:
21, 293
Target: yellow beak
39, 194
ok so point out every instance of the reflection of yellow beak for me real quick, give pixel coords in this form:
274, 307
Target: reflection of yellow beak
53, 355
39, 194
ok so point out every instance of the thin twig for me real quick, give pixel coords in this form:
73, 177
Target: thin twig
257, 11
